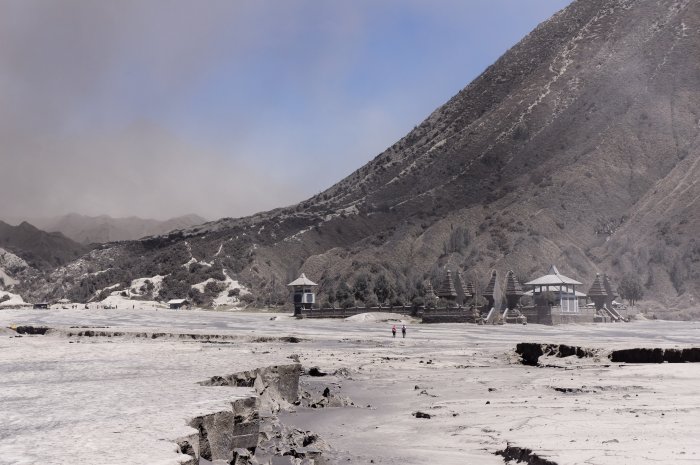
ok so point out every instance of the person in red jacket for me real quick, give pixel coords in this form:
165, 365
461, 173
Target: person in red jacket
393, 331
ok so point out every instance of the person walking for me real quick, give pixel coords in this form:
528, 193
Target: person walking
403, 331
393, 331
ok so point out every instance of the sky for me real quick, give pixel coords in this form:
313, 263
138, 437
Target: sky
158, 108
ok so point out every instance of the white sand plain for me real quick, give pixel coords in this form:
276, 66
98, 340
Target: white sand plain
122, 400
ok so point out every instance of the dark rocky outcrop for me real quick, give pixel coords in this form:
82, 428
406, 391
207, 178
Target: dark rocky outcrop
28, 329
522, 455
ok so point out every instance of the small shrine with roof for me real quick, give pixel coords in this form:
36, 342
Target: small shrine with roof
303, 294
562, 287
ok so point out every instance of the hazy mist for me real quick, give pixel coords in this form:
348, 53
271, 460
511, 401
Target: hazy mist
222, 108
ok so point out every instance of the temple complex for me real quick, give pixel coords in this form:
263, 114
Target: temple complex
554, 300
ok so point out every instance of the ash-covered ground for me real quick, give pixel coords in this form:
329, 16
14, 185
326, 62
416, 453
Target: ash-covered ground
121, 386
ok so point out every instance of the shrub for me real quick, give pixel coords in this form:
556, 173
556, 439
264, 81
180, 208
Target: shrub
247, 299
371, 300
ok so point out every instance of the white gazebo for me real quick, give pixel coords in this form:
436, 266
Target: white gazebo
563, 288
303, 293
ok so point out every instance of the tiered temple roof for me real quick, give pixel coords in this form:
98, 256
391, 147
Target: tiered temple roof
598, 287
429, 290
513, 286
447, 288
491, 287
608, 287
553, 278
471, 288
465, 287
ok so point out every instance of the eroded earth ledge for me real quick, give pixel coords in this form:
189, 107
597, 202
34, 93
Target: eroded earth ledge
250, 433
531, 353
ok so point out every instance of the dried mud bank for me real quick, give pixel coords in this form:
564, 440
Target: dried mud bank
531, 352
200, 337
251, 433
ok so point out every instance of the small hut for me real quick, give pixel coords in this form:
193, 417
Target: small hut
177, 304
303, 294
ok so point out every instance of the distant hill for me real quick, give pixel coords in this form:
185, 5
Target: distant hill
101, 229
39, 249
580, 147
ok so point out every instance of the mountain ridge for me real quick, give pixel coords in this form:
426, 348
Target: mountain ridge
100, 229
41, 250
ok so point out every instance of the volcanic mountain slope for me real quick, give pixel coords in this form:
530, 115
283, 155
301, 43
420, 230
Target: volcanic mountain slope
104, 228
578, 147
39, 249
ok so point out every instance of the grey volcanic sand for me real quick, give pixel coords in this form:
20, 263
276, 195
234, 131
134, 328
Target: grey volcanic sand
480, 398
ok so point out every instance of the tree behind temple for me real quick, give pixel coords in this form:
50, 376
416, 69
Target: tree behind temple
631, 288
383, 289
361, 288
